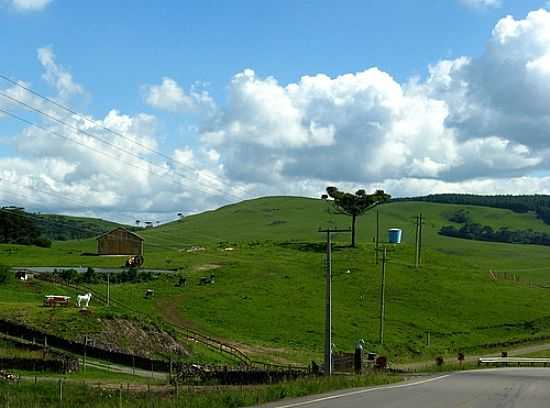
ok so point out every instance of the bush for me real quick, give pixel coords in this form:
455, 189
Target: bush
42, 242
69, 275
5, 274
89, 276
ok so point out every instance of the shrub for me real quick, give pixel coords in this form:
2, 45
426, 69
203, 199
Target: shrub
5, 274
69, 275
42, 242
89, 276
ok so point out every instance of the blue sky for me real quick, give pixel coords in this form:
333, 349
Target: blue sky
115, 47
117, 52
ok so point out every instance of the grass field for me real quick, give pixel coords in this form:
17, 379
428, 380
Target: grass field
45, 394
268, 295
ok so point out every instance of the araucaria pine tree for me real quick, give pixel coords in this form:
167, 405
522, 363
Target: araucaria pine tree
356, 204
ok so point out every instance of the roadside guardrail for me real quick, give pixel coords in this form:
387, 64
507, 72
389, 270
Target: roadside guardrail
514, 361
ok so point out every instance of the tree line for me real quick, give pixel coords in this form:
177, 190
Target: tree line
16, 227
20, 227
472, 230
539, 203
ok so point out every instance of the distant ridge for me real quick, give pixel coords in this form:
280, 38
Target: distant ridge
539, 203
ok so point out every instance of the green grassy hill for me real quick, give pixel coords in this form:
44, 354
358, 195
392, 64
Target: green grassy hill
268, 295
65, 227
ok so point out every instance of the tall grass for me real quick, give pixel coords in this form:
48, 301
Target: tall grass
45, 395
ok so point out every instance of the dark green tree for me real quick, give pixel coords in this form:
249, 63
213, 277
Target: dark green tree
356, 204
5, 274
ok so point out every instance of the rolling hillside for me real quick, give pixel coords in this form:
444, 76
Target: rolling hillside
268, 295
64, 227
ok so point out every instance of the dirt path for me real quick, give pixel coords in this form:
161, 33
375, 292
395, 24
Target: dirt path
419, 365
255, 352
116, 368
169, 310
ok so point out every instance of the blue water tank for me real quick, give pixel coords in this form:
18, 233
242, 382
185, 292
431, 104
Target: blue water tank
394, 236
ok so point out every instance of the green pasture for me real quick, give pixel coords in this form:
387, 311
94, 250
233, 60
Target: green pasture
268, 293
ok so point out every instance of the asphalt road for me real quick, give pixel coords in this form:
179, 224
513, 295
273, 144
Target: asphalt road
488, 388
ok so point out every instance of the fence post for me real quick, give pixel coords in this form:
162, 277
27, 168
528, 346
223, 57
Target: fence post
171, 371
120, 397
61, 390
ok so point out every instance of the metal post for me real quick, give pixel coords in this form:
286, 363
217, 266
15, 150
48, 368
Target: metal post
61, 390
382, 294
328, 308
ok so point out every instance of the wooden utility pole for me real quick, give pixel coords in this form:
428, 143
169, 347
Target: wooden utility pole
421, 223
384, 251
418, 240
328, 298
377, 233
382, 295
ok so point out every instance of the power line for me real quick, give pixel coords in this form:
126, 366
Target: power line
78, 130
104, 153
72, 227
98, 124
154, 238
157, 231
66, 226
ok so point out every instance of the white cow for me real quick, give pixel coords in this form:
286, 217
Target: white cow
84, 298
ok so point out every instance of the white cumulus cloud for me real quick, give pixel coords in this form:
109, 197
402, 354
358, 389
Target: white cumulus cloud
478, 124
29, 5
169, 96
56, 75
481, 4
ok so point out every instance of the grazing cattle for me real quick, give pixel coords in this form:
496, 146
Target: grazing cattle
206, 280
83, 298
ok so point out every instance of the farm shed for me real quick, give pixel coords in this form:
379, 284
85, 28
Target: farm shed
119, 241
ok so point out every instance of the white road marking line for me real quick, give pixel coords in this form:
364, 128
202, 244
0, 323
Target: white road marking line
387, 387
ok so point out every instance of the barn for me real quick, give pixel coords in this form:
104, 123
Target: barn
119, 241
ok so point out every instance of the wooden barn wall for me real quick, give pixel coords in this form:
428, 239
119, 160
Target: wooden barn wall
119, 243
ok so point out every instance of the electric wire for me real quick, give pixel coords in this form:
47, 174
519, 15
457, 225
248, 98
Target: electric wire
98, 124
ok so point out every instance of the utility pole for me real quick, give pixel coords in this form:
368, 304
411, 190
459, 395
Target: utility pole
418, 240
382, 295
421, 222
377, 233
328, 298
